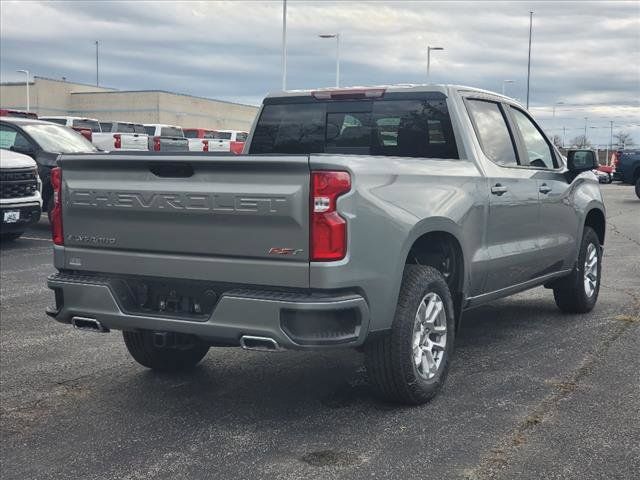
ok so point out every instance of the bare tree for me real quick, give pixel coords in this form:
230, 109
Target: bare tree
557, 140
581, 142
623, 139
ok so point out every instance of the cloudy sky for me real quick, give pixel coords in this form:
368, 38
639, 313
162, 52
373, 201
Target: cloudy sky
585, 54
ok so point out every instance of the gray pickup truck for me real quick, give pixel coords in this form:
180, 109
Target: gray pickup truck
368, 218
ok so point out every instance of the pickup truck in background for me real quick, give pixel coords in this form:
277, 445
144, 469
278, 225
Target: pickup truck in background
85, 126
199, 138
627, 168
228, 141
121, 136
20, 198
166, 138
366, 218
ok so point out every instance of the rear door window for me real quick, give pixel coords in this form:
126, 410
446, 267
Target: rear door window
151, 131
106, 126
492, 131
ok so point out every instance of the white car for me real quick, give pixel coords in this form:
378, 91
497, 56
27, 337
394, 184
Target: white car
20, 194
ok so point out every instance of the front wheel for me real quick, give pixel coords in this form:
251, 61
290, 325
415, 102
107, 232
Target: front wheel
410, 363
579, 292
146, 352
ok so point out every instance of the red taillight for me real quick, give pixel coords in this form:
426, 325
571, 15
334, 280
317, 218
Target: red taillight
328, 236
56, 212
205, 145
236, 147
156, 144
117, 140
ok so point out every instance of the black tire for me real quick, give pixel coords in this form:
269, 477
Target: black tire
390, 362
570, 294
9, 237
638, 187
142, 349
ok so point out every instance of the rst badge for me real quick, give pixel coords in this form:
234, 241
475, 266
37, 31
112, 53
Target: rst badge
285, 251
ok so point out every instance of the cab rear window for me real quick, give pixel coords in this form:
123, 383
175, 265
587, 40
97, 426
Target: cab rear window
408, 128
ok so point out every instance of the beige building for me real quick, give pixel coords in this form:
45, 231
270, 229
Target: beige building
59, 97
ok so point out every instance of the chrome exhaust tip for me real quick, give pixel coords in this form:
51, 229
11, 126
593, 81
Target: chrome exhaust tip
263, 344
89, 324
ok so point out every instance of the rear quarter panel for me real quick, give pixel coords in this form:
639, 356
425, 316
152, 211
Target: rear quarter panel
393, 202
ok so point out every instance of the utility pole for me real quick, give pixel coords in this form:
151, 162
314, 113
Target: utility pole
529, 60
564, 134
26, 84
429, 48
584, 141
610, 147
284, 45
97, 67
337, 37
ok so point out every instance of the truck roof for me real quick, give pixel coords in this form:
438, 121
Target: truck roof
445, 89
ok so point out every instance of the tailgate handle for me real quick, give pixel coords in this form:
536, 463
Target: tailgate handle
171, 170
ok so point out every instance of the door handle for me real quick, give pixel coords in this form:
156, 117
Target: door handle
498, 189
544, 188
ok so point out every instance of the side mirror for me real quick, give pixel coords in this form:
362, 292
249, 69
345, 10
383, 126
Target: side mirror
581, 160
24, 149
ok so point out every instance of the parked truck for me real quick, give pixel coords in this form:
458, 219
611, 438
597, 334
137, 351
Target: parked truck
367, 218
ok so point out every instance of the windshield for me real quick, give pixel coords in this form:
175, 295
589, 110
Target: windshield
57, 139
409, 127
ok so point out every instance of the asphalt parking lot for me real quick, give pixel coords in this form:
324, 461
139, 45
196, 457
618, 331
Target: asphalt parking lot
531, 393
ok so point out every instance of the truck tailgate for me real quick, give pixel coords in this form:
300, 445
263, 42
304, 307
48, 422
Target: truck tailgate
213, 217
174, 144
134, 141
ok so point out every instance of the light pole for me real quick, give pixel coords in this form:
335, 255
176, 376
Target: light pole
284, 45
504, 85
97, 74
585, 131
429, 49
337, 37
529, 58
26, 73
554, 108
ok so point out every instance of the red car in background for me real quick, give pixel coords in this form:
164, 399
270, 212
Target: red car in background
5, 112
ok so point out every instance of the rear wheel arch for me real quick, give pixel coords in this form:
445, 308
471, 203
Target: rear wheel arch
442, 250
595, 219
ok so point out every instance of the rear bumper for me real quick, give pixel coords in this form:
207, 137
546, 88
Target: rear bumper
295, 320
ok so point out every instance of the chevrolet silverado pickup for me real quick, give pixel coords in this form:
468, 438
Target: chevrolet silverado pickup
367, 218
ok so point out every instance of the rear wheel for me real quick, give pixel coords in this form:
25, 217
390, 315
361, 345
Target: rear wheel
177, 357
638, 187
579, 292
409, 364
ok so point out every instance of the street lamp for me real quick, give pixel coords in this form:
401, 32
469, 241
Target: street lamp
26, 72
554, 108
504, 85
429, 49
337, 37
